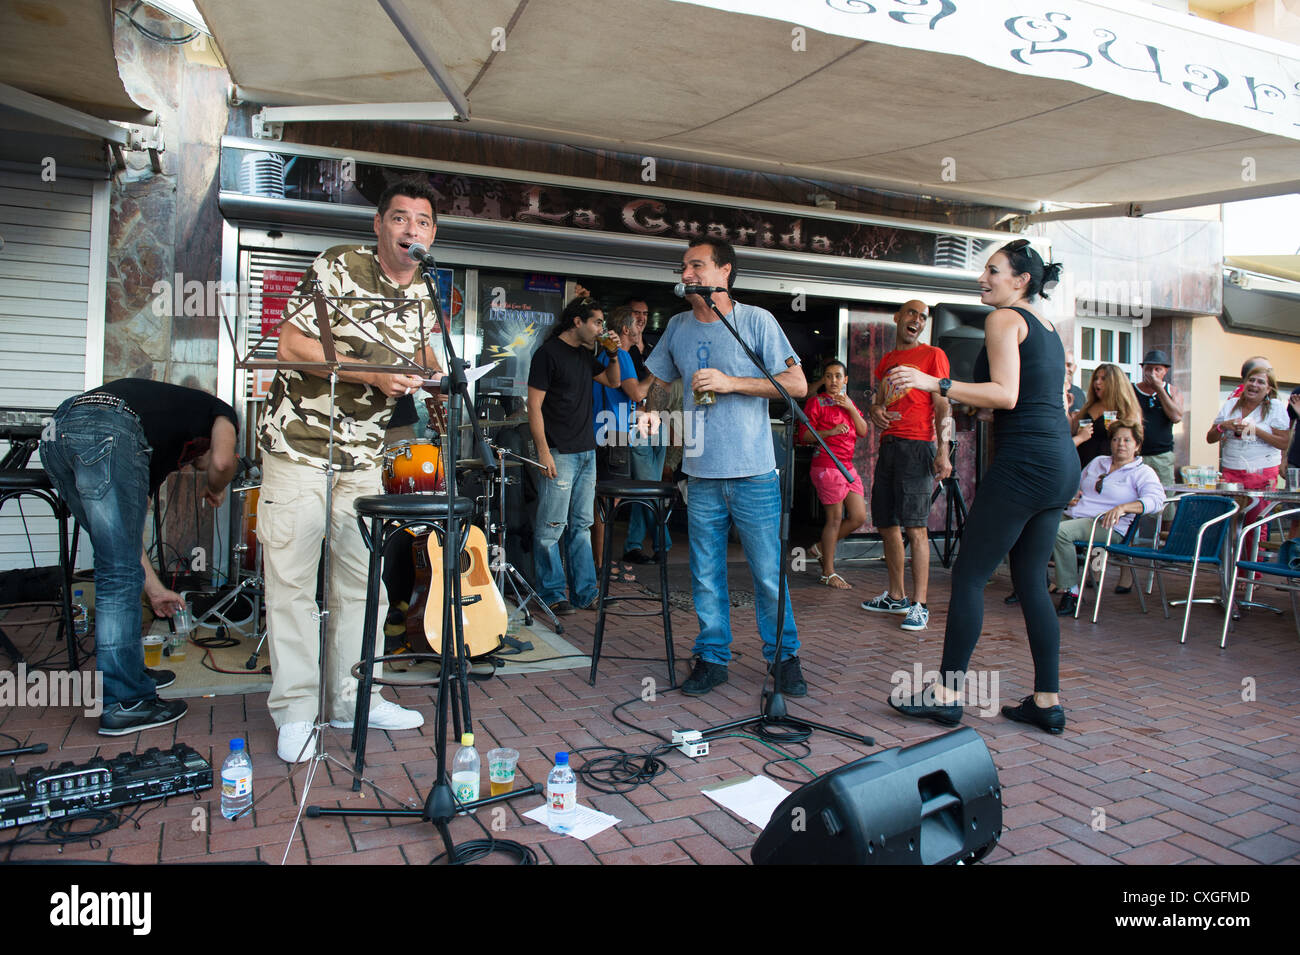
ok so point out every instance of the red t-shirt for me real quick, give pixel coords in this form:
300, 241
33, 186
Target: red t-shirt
916, 407
824, 414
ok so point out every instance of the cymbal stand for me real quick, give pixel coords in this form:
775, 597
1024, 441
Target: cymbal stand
506, 572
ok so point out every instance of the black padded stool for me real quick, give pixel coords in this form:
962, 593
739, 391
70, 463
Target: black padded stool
658, 496
33, 482
380, 516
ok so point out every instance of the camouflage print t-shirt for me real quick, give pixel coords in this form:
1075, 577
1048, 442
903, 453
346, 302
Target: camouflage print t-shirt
296, 424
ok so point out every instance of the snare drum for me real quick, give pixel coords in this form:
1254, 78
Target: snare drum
413, 468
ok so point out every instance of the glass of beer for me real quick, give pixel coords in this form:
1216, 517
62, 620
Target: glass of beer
153, 647
501, 770
704, 397
609, 340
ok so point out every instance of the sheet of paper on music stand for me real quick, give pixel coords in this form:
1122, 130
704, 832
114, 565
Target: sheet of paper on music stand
589, 822
752, 798
474, 374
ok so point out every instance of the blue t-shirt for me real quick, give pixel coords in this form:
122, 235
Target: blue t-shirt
612, 406
731, 438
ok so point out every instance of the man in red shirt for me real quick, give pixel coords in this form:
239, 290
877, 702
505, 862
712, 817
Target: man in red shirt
908, 464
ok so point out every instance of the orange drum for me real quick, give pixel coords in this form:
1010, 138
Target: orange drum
413, 468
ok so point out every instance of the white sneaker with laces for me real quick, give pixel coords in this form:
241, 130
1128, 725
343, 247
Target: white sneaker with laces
917, 618
292, 745
385, 715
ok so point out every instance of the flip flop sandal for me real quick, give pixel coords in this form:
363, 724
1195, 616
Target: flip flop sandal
622, 575
815, 551
829, 577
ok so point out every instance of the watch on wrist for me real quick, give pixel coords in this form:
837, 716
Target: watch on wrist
944, 385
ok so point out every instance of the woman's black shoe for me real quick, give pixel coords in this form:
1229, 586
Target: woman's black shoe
1068, 602
949, 715
1011, 599
1123, 590
1051, 720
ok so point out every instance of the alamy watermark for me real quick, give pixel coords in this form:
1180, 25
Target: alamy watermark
53, 688
686, 425
973, 688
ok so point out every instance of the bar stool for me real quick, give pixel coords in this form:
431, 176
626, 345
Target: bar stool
380, 516
16, 483
658, 496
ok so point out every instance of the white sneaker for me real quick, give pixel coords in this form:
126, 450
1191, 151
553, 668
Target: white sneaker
292, 745
386, 716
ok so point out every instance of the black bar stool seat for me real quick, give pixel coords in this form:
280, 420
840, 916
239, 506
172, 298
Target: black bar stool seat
16, 483
380, 516
658, 497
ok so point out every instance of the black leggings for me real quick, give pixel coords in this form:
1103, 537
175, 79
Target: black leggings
1001, 522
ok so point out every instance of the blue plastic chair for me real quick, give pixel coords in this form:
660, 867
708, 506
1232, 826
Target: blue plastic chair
1288, 576
1196, 538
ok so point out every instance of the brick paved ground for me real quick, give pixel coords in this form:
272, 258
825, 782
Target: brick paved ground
1161, 741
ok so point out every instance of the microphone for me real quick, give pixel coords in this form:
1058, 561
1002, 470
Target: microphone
420, 254
681, 291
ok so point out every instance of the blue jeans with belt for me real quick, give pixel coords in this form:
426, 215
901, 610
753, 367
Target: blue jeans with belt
566, 501
98, 459
753, 504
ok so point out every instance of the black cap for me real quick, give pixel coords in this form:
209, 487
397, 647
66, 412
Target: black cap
1156, 357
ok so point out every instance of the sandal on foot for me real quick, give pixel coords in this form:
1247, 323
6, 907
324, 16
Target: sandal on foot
827, 578
815, 551
621, 575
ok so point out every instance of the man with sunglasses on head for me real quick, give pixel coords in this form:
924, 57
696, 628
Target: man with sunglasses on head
730, 461
107, 452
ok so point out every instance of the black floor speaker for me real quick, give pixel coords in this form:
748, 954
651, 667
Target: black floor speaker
933, 803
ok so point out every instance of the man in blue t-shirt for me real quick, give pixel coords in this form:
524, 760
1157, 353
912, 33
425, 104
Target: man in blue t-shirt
728, 458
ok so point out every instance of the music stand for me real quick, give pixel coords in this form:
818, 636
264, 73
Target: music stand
441, 805
330, 368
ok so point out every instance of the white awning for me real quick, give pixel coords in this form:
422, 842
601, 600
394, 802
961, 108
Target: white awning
1007, 101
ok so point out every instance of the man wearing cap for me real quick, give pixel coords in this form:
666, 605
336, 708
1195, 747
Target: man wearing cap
1161, 410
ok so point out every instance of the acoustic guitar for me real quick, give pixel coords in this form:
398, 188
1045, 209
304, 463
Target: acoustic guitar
483, 610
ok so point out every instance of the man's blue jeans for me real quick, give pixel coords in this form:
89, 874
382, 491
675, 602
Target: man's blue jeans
754, 505
98, 459
647, 465
564, 502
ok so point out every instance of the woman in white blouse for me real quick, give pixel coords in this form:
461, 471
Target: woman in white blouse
1255, 430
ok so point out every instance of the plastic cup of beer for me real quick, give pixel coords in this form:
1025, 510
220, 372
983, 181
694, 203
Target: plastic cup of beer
153, 647
1109, 417
501, 770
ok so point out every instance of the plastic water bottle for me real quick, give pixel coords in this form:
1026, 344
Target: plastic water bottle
466, 774
236, 781
561, 796
80, 616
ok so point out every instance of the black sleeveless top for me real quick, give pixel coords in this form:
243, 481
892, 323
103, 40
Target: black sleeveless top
1157, 429
1034, 455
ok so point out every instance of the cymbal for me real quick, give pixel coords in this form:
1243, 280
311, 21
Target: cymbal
475, 464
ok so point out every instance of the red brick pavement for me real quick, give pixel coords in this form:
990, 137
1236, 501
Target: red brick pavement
1174, 754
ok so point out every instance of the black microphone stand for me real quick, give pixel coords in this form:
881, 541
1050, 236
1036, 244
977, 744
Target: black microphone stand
441, 806
772, 709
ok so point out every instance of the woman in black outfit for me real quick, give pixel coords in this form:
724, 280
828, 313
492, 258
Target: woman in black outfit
1034, 474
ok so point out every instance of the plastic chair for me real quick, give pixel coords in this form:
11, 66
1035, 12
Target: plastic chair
1288, 576
1196, 537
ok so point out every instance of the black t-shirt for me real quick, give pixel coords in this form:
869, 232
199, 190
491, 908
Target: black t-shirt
177, 421
1158, 430
565, 372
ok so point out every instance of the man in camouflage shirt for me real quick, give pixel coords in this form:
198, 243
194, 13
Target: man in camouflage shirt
295, 437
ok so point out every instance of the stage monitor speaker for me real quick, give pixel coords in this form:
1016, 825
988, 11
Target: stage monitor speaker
932, 803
